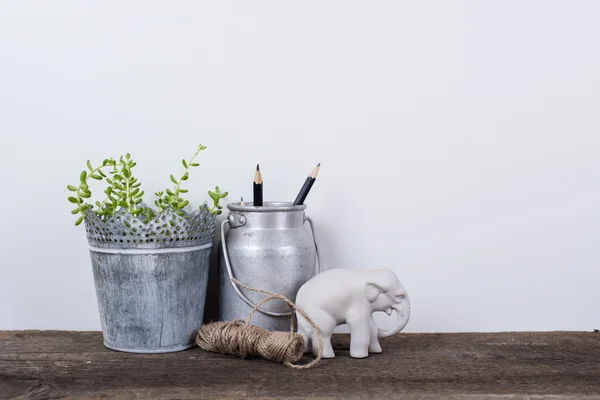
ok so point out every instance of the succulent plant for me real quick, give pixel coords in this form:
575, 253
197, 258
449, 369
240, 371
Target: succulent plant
124, 191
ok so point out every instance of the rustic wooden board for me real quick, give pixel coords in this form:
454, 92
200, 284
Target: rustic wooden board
53, 364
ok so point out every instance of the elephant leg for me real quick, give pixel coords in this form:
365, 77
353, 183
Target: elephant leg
307, 346
360, 338
326, 325
374, 346
326, 332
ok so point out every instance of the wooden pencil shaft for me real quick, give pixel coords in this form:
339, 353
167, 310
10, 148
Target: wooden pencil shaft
304, 191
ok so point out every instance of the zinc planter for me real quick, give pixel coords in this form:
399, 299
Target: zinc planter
151, 278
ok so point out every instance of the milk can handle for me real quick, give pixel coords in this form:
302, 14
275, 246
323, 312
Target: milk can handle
312, 230
235, 287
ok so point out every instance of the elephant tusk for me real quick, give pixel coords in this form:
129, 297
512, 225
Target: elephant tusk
388, 311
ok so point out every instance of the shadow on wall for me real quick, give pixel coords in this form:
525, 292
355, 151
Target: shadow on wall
211, 308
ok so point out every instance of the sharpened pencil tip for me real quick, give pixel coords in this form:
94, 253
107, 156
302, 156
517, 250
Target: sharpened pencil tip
315, 171
257, 176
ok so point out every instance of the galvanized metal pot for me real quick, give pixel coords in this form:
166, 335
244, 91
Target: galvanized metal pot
151, 278
268, 248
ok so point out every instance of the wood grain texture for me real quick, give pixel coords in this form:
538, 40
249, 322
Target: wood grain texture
56, 364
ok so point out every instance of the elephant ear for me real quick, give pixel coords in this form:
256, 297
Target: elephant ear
372, 291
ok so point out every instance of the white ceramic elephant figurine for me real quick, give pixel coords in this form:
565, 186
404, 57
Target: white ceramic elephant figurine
351, 296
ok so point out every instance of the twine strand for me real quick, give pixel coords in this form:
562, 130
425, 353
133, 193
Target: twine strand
240, 338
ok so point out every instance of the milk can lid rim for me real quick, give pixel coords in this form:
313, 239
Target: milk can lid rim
269, 206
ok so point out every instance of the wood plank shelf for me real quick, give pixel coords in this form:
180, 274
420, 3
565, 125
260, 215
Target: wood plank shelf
508, 365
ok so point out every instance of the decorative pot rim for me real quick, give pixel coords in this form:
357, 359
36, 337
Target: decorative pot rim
167, 230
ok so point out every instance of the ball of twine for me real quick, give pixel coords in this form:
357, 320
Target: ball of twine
240, 338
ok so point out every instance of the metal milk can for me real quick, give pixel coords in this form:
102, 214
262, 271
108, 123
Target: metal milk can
267, 248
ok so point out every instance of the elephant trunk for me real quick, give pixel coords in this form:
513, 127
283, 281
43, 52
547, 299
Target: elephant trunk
402, 311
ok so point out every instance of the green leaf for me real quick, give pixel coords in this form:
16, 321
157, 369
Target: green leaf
140, 194
194, 164
185, 164
85, 195
73, 200
157, 203
128, 156
102, 174
79, 220
217, 189
173, 179
185, 177
224, 194
75, 211
126, 173
97, 177
82, 176
185, 203
183, 190
108, 190
72, 188
169, 192
138, 201
213, 196
134, 192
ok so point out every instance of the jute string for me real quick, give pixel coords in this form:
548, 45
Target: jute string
240, 338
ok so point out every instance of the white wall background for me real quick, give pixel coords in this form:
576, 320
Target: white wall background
459, 141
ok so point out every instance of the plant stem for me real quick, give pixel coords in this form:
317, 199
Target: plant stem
88, 175
185, 172
128, 199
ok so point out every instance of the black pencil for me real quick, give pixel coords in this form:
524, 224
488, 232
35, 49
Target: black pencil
310, 180
258, 188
